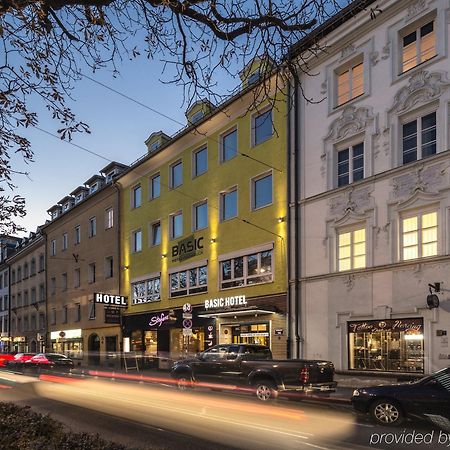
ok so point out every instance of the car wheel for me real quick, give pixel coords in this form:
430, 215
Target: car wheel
386, 412
265, 390
184, 382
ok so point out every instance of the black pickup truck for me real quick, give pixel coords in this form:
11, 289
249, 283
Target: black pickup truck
252, 366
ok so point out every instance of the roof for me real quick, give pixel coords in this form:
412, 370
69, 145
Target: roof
65, 199
112, 165
79, 189
93, 179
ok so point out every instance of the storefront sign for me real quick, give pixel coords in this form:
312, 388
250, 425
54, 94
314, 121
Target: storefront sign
279, 331
67, 334
226, 302
162, 318
255, 334
187, 248
372, 326
209, 336
112, 315
113, 300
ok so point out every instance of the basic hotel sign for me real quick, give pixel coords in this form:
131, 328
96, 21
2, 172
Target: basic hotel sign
119, 301
226, 302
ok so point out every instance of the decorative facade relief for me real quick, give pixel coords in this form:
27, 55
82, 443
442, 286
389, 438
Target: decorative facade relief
422, 87
351, 201
424, 179
415, 7
386, 51
347, 51
374, 58
324, 87
353, 120
349, 281
384, 230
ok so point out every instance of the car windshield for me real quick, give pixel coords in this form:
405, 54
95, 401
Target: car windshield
55, 356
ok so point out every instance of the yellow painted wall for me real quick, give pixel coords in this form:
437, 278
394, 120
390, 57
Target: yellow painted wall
231, 235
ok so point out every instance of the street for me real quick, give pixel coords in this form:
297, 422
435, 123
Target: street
149, 416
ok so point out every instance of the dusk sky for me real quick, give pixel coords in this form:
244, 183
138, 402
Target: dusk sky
119, 128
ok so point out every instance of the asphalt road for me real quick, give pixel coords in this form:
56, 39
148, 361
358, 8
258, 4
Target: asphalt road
147, 416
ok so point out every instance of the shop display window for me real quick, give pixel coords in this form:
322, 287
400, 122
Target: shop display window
252, 333
136, 344
182, 345
391, 345
151, 343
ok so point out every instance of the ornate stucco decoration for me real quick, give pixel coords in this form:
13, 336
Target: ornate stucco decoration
415, 8
381, 229
352, 121
347, 51
422, 87
426, 180
349, 281
352, 201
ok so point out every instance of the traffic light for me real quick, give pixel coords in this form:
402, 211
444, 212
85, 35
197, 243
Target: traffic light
432, 301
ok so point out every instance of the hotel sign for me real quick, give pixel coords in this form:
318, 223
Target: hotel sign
187, 248
372, 326
226, 302
118, 301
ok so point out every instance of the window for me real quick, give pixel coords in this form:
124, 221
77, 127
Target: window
136, 199
92, 227
146, 291
41, 321
5, 279
350, 83
64, 241
33, 296
25, 271
262, 191
350, 164
228, 204
197, 116
419, 236
13, 301
200, 215
13, 276
77, 234
418, 46
25, 298
19, 274
352, 249
156, 233
41, 263
155, 145
91, 273
155, 186
176, 225
254, 77
200, 161
137, 241
77, 312
109, 267
187, 282
93, 188
52, 286
91, 311
42, 293
64, 314
419, 138
109, 218
53, 247
262, 127
64, 281
77, 278
32, 267
229, 146
53, 316
176, 174
245, 270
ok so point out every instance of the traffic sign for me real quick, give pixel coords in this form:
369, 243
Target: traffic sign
187, 332
187, 323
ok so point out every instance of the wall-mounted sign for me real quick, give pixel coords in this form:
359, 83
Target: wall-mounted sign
209, 336
67, 334
279, 331
371, 326
226, 302
164, 317
112, 315
187, 248
118, 301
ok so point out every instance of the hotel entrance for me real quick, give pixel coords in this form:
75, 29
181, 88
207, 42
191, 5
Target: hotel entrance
246, 333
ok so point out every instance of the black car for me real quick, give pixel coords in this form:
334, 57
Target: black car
50, 361
391, 404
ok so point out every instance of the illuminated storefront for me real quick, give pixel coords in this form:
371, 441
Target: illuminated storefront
68, 342
392, 345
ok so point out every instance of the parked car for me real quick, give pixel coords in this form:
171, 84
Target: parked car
392, 404
5, 358
19, 359
49, 361
253, 366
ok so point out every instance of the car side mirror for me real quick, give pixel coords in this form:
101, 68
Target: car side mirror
199, 356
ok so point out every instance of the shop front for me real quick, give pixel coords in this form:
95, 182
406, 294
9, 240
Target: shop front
159, 338
256, 320
68, 342
391, 345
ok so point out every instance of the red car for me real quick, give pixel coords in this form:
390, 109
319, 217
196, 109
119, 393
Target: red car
5, 358
19, 359
49, 361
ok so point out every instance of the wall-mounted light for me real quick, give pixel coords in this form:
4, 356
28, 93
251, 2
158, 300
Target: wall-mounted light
213, 240
125, 267
281, 219
163, 256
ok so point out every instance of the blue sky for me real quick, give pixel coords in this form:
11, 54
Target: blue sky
119, 128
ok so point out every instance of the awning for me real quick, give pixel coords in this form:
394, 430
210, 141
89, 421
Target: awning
240, 312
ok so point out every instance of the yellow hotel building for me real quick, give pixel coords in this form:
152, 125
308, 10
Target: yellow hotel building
203, 224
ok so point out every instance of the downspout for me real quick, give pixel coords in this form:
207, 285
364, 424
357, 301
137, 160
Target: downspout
289, 239
47, 334
119, 260
9, 302
297, 236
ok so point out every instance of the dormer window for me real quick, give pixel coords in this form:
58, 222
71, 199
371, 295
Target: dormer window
93, 188
155, 145
110, 176
197, 116
78, 198
66, 206
254, 77
54, 214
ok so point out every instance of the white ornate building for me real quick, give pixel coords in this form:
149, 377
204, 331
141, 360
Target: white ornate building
370, 190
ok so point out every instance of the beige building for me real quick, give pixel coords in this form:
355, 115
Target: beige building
28, 294
83, 259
